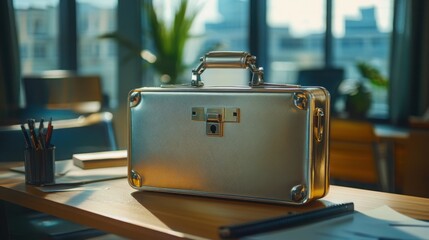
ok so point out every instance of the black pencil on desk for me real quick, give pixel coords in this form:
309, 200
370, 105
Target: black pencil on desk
41, 127
32, 133
241, 230
41, 139
26, 137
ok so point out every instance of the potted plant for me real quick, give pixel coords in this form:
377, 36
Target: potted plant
167, 40
358, 96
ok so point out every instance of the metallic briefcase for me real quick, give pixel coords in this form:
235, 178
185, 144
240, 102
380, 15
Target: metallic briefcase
263, 142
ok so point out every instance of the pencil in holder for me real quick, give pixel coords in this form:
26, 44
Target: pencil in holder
40, 166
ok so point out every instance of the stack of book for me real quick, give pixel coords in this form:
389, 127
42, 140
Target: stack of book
100, 159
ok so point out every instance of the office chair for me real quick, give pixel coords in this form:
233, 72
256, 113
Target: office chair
353, 154
90, 133
63, 90
329, 78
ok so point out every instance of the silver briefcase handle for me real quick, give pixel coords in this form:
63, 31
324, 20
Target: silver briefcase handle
229, 59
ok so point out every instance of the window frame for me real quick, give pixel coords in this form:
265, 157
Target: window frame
258, 36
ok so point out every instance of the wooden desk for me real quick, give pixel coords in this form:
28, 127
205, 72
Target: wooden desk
115, 207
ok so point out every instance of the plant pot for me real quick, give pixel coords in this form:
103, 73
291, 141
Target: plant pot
358, 103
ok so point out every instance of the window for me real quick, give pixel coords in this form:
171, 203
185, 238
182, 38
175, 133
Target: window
39, 51
296, 35
219, 25
39, 27
96, 56
362, 31
296, 38
38, 38
224, 23
23, 50
37, 34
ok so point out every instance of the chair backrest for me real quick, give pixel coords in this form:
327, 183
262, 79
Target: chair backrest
353, 152
82, 94
91, 133
329, 78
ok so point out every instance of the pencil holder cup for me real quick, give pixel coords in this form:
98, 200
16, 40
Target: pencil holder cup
40, 166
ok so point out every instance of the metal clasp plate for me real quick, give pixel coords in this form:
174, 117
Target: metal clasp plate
214, 121
215, 118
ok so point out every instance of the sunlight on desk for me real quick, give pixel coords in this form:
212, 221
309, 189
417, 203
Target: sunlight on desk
113, 206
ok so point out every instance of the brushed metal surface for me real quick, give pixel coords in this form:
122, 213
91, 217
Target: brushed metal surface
262, 157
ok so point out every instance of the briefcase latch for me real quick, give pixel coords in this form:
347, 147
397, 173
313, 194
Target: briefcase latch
319, 123
215, 118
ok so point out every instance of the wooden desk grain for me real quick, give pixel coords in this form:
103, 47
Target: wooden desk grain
117, 208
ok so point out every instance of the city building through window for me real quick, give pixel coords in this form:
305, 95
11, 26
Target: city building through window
361, 32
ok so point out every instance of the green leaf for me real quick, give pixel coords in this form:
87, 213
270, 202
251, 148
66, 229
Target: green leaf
372, 74
169, 39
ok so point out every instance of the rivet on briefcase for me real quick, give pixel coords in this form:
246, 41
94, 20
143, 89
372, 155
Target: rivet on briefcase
263, 142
